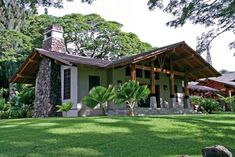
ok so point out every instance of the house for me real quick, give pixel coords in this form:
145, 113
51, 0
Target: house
199, 90
224, 83
60, 77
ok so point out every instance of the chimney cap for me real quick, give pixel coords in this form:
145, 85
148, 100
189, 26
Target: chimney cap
54, 27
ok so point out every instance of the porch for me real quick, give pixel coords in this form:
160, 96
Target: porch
179, 63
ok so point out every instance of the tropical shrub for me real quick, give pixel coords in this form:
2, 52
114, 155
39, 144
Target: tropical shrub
22, 102
195, 100
131, 92
99, 96
209, 105
230, 100
65, 107
3, 92
4, 109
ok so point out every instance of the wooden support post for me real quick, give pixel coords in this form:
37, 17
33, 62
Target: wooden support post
228, 92
133, 72
152, 79
186, 90
186, 94
153, 100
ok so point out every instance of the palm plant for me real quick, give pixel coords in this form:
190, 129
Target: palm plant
99, 96
131, 92
230, 100
65, 107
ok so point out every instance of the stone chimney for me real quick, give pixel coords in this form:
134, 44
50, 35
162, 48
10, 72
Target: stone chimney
53, 39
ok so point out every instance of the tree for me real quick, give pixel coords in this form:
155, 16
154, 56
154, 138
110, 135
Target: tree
131, 92
89, 35
14, 47
218, 15
99, 96
13, 14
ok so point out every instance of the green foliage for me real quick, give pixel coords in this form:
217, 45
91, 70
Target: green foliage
209, 105
13, 14
14, 47
35, 26
230, 100
4, 109
65, 107
99, 96
195, 100
131, 92
22, 102
3, 91
89, 35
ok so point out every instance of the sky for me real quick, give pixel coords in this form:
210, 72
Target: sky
151, 27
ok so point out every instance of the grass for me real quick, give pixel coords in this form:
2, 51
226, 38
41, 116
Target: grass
153, 136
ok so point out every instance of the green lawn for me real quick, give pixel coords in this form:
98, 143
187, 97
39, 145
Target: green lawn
156, 136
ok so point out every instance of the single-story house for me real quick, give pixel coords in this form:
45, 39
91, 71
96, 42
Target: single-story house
61, 77
199, 90
224, 83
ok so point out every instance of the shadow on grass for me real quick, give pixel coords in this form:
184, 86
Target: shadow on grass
163, 136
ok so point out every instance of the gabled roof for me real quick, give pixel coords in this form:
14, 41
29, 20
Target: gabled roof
196, 87
227, 77
182, 56
225, 80
145, 55
73, 59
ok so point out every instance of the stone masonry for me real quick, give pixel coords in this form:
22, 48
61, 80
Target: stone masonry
47, 91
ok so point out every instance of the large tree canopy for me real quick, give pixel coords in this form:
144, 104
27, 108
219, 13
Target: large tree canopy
218, 15
89, 35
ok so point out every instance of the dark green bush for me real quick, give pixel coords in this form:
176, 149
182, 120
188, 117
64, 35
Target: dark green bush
196, 100
209, 105
22, 102
4, 109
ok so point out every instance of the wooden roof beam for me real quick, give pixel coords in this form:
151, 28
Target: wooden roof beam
25, 76
192, 71
183, 58
165, 71
33, 61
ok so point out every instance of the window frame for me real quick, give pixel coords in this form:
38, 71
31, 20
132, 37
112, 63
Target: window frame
67, 84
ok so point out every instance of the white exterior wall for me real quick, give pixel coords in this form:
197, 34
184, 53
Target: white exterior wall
73, 90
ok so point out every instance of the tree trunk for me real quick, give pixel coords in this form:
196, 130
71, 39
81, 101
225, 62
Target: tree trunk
131, 111
104, 108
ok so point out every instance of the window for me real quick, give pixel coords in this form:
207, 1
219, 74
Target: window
67, 83
138, 73
128, 71
147, 74
176, 91
94, 81
157, 76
